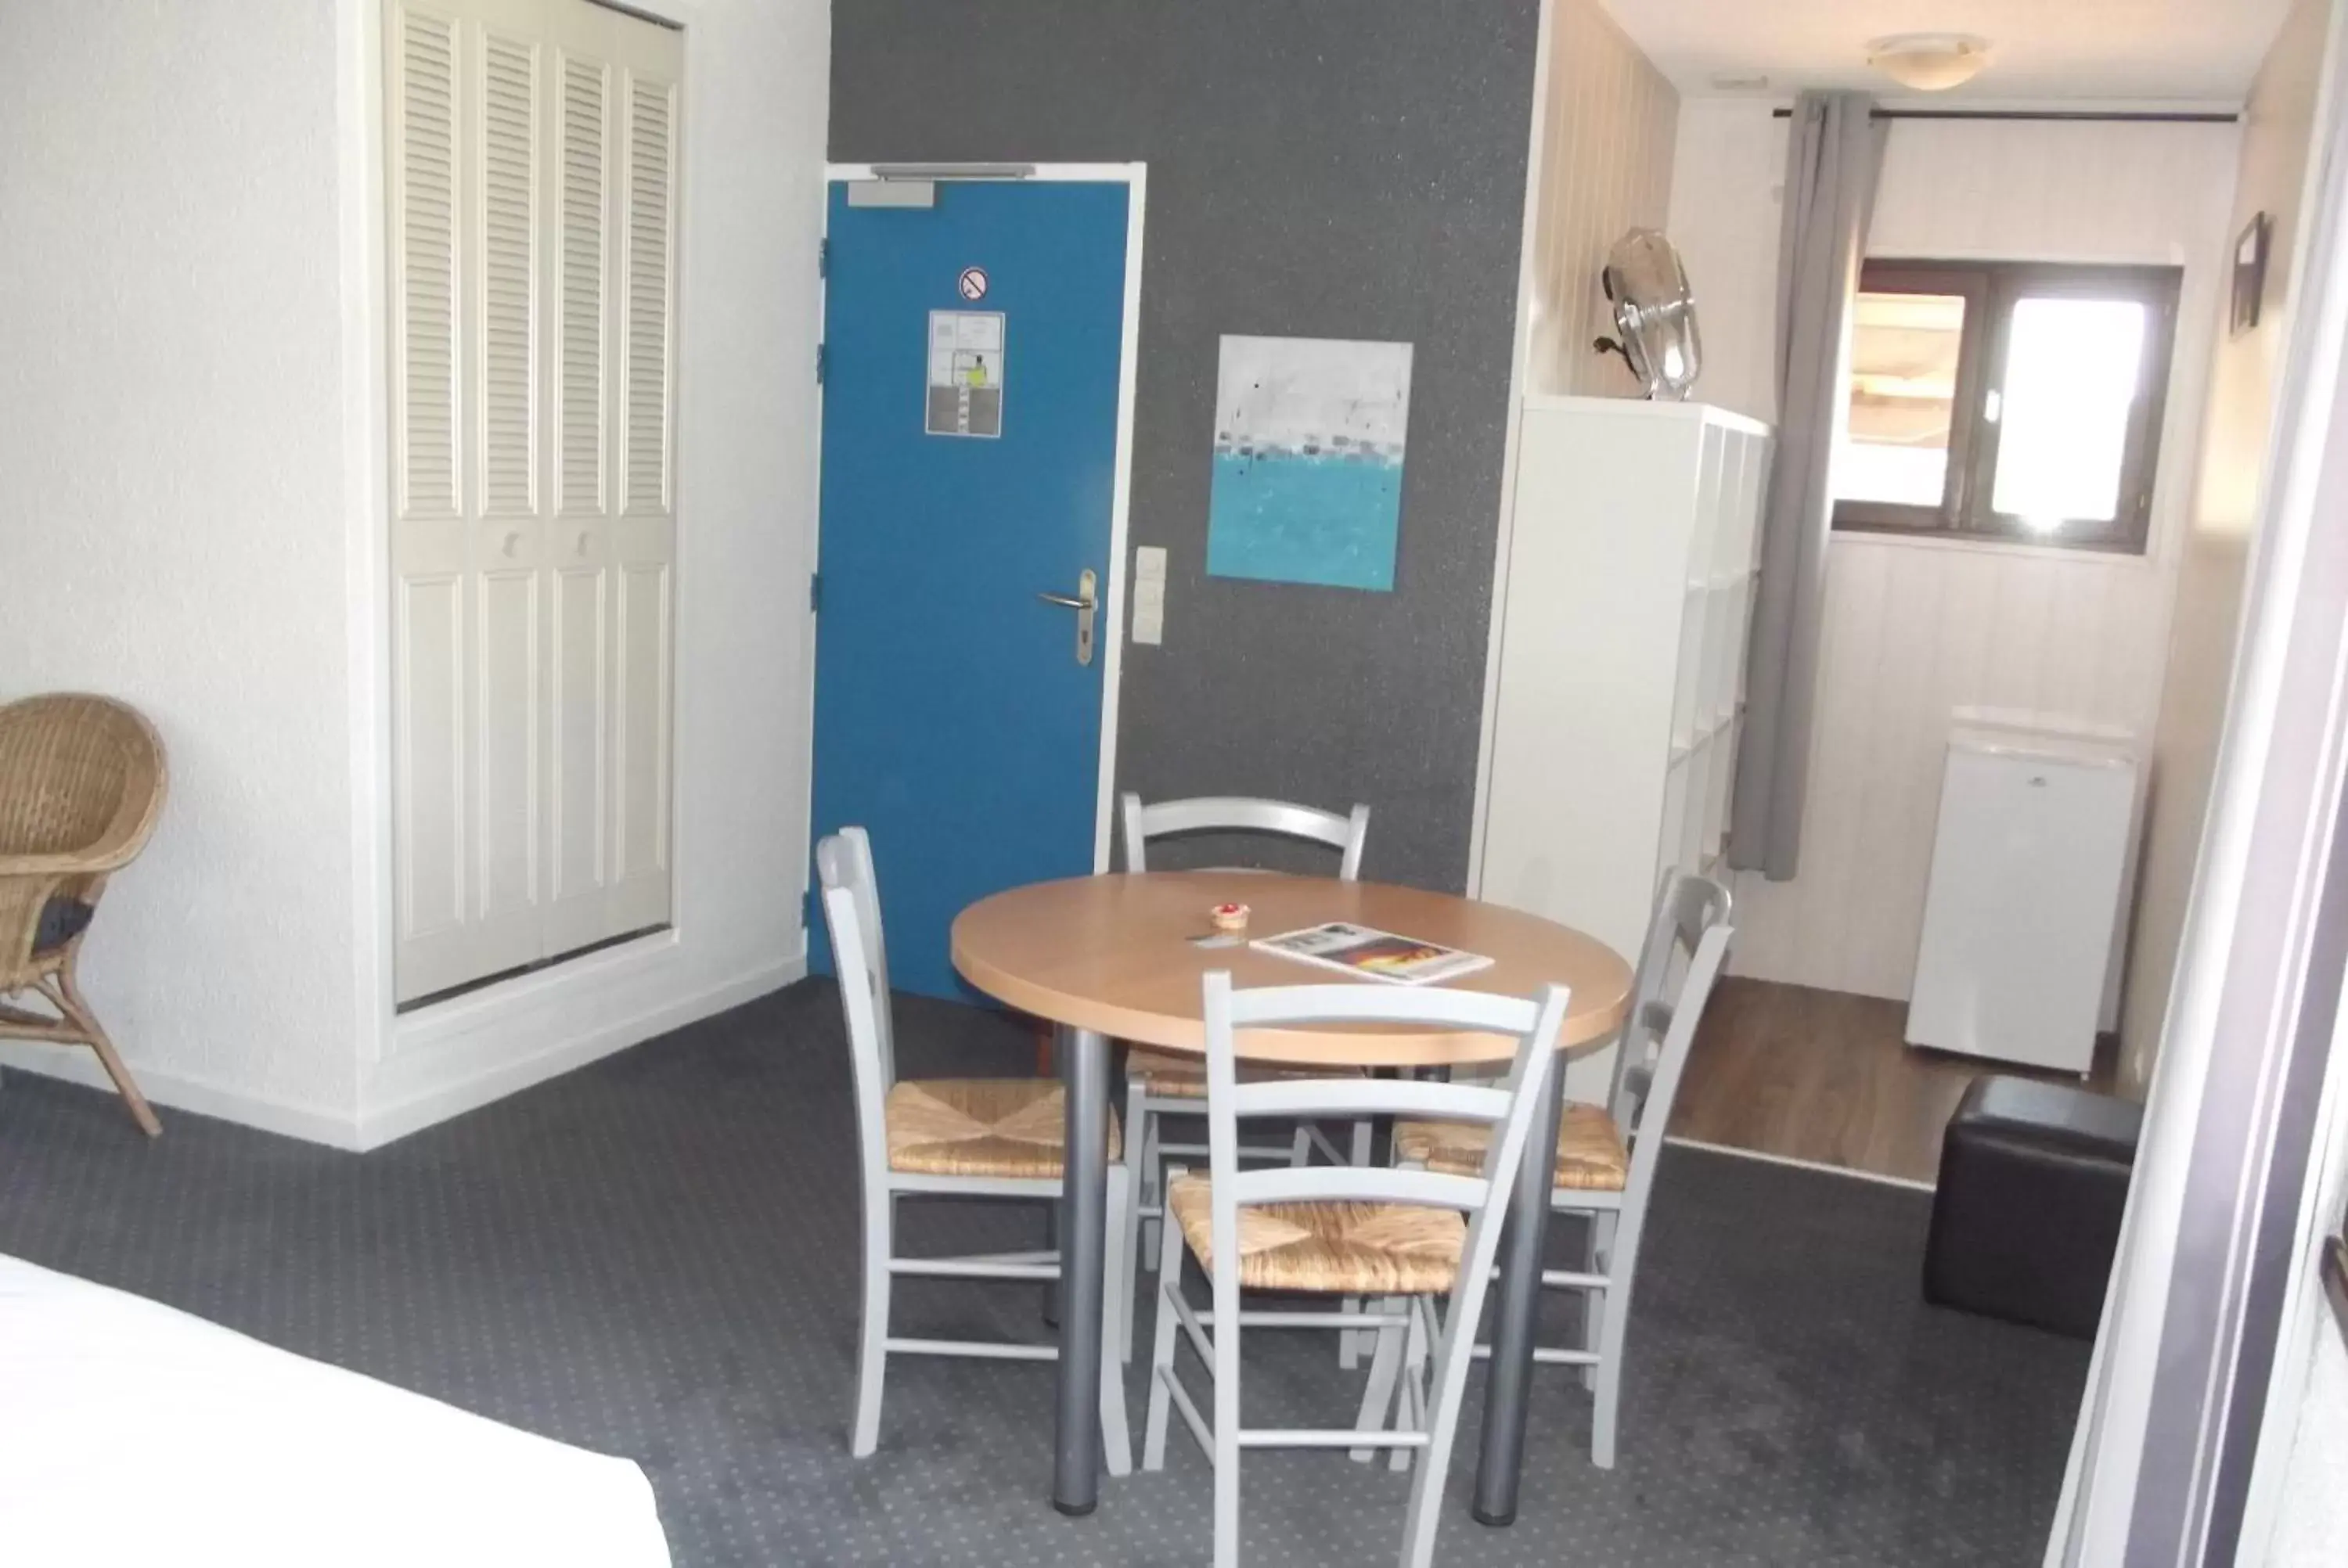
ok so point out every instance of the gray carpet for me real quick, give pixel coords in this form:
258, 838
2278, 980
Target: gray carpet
655, 1257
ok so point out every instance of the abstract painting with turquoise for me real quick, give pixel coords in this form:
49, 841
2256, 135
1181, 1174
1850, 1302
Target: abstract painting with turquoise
1309, 436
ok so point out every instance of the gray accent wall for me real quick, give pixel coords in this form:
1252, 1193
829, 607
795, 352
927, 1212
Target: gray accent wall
1342, 168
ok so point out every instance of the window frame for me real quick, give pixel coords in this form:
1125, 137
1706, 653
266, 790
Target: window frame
1991, 290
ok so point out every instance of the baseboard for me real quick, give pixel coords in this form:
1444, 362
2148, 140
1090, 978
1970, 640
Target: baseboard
469, 1090
171, 1090
378, 1125
1907, 1181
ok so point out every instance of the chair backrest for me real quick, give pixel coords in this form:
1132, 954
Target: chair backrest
1242, 813
1508, 1107
79, 774
844, 859
1686, 907
852, 912
1649, 1099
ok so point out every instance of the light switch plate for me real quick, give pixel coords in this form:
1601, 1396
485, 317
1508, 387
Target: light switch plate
1149, 595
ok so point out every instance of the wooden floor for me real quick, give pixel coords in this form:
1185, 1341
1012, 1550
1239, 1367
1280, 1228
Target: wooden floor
1825, 1076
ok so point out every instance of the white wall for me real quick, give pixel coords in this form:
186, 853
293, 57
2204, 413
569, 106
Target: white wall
170, 364
1603, 163
1915, 629
191, 428
2213, 552
1728, 170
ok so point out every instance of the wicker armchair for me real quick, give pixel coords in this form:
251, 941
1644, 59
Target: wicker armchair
81, 782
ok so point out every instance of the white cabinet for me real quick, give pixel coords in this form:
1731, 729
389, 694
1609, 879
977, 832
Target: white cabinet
2024, 899
1625, 590
530, 175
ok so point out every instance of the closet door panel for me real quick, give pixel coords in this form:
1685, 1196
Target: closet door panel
648, 216
434, 885
643, 536
580, 810
505, 773
499, 330
641, 748
423, 103
429, 733
579, 201
582, 202
503, 322
530, 165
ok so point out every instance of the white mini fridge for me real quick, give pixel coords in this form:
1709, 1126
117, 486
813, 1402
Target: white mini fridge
2024, 898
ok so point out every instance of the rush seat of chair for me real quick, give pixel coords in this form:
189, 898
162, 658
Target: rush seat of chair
1171, 1077
1004, 1127
1592, 1154
1344, 1248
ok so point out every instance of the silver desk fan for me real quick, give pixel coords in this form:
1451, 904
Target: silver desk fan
1654, 314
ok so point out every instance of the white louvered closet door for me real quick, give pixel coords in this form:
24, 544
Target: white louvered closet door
532, 220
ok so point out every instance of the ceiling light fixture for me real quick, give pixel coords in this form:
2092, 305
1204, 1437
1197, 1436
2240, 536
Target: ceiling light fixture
1929, 62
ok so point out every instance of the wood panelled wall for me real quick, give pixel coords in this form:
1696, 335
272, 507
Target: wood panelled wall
1916, 630
1605, 143
1914, 633
1728, 164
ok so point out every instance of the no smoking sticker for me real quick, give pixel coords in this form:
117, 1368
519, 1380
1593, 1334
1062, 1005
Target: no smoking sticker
974, 282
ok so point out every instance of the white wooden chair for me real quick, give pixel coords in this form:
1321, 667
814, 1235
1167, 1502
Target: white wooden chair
962, 1138
1407, 1236
1686, 907
1242, 813
1161, 1083
1606, 1158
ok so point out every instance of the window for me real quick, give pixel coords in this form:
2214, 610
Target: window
2006, 400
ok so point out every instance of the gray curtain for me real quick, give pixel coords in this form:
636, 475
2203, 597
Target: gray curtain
1834, 147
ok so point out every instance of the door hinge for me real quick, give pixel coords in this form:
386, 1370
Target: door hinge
815, 591
822, 356
823, 259
807, 910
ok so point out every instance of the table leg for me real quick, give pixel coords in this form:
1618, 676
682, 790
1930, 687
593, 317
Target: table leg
1517, 1314
1083, 1238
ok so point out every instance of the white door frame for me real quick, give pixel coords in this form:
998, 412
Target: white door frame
2235, 1175
1136, 177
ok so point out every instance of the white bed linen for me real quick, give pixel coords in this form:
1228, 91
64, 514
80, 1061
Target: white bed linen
133, 1433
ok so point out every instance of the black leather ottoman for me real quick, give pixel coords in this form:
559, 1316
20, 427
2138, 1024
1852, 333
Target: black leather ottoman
2033, 1177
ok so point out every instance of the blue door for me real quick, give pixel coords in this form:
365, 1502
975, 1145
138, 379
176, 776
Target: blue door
972, 354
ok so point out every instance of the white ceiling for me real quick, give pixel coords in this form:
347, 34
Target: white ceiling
2042, 49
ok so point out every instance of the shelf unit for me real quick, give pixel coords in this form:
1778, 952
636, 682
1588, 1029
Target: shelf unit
1624, 594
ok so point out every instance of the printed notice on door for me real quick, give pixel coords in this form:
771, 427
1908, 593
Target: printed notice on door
965, 391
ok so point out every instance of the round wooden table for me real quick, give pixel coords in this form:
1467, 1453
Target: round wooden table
1111, 957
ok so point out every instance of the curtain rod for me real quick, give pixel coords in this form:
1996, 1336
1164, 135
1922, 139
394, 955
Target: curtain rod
2120, 117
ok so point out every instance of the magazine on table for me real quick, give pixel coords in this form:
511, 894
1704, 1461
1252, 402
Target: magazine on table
1373, 954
